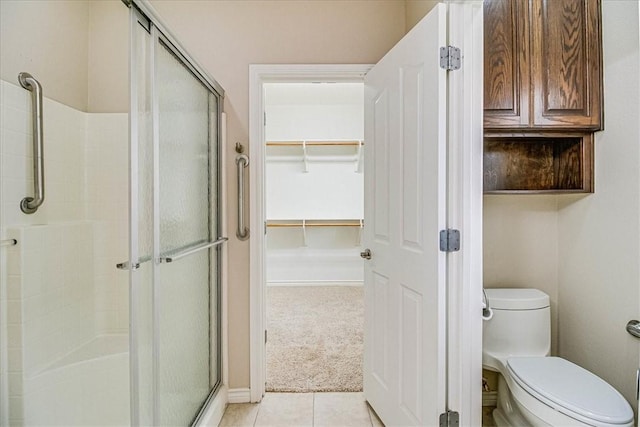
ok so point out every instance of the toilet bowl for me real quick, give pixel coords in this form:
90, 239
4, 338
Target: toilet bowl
535, 389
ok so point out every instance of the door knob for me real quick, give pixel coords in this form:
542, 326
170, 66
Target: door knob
366, 254
633, 327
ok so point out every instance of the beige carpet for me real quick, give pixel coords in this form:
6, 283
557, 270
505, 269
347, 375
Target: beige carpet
314, 338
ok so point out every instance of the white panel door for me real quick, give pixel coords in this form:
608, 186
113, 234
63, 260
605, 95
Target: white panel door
405, 201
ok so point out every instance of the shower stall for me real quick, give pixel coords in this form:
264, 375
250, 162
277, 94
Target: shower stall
110, 289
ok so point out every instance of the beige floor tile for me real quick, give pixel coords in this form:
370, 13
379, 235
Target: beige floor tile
340, 410
286, 409
239, 415
375, 421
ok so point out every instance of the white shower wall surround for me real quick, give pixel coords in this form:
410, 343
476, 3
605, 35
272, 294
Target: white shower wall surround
56, 355
61, 276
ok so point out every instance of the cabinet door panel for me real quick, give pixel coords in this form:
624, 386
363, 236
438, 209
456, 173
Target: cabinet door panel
506, 64
566, 62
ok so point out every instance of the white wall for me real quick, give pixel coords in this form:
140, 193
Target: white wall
520, 238
599, 235
108, 57
78, 50
416, 10
330, 186
49, 40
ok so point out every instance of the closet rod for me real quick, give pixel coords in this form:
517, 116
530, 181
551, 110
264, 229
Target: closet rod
316, 224
313, 143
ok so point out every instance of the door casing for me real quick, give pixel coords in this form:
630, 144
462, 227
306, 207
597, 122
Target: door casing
464, 159
258, 76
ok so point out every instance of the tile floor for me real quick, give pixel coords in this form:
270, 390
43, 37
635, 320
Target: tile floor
302, 410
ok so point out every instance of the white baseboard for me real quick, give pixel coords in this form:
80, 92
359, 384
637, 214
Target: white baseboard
239, 395
315, 283
489, 398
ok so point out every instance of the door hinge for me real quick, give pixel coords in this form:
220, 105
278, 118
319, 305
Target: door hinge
265, 336
450, 58
265, 118
449, 419
450, 240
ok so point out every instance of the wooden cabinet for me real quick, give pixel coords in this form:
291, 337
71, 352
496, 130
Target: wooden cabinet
506, 64
542, 95
543, 65
542, 163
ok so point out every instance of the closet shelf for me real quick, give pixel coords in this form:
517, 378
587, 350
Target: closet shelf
316, 223
352, 143
305, 144
304, 223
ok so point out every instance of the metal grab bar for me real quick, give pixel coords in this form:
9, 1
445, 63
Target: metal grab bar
242, 161
29, 205
192, 250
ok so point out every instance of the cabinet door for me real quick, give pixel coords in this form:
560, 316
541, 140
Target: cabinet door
506, 64
566, 64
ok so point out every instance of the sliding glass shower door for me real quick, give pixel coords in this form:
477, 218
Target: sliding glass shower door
186, 289
175, 204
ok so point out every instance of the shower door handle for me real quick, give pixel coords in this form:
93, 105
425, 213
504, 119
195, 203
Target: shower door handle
127, 266
191, 250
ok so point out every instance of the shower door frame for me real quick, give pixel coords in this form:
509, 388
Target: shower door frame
213, 406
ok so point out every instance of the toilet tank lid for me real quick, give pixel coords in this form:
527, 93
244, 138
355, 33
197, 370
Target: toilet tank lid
516, 299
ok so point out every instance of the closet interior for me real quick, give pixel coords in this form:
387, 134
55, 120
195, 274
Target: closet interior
314, 183
314, 206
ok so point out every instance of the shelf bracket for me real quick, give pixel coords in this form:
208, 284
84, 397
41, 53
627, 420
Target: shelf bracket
304, 233
305, 156
359, 157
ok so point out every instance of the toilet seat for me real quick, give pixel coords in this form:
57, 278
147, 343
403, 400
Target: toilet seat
570, 389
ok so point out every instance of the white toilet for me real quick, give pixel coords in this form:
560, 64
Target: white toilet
534, 389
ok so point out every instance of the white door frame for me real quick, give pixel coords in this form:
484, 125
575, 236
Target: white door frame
464, 270
258, 76
465, 92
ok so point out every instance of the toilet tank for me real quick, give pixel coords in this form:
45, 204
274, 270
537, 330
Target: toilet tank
520, 326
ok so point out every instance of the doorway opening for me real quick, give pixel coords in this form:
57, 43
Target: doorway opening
260, 77
314, 182
411, 373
